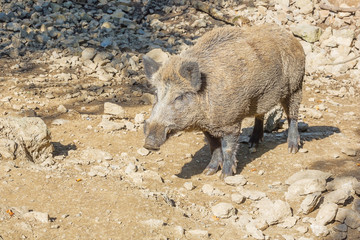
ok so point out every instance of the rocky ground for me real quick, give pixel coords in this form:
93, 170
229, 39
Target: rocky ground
74, 97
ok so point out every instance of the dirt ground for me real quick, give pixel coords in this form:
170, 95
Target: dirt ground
116, 206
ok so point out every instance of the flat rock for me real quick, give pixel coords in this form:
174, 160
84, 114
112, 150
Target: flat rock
111, 125
36, 216
251, 194
319, 230
310, 202
351, 152
352, 219
254, 232
338, 196
345, 183
223, 210
189, 186
237, 180
154, 223
198, 233
312, 174
114, 109
237, 198
356, 205
326, 214
273, 212
304, 187
307, 32
143, 151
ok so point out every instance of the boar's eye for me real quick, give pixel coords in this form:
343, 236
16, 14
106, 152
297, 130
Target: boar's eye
179, 98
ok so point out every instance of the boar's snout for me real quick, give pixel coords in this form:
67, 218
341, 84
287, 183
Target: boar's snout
155, 136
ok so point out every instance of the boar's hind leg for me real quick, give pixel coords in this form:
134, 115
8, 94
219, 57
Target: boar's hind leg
229, 145
216, 154
258, 132
291, 106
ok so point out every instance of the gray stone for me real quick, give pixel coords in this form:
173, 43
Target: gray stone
114, 109
356, 205
308, 174
352, 219
88, 54
307, 32
223, 210
310, 202
341, 228
237, 180
326, 214
3, 17
36, 216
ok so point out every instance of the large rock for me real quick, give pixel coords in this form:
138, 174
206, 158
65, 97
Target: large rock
223, 210
25, 139
304, 187
326, 214
273, 212
307, 32
307, 174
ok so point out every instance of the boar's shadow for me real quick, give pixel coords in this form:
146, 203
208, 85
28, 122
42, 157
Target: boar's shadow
202, 157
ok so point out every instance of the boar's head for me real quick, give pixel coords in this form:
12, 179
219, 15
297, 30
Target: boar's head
177, 83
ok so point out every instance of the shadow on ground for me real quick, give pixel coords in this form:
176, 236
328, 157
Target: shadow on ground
271, 140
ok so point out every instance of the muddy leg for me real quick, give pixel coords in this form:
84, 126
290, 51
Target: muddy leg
258, 132
291, 106
216, 154
230, 145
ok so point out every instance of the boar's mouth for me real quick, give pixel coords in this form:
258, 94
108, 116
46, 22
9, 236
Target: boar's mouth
156, 135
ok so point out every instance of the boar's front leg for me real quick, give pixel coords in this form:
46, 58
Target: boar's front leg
229, 145
216, 154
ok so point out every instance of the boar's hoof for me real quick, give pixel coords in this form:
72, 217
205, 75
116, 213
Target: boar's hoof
210, 171
151, 147
293, 148
228, 170
293, 143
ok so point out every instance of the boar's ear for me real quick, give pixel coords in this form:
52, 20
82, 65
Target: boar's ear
190, 70
150, 66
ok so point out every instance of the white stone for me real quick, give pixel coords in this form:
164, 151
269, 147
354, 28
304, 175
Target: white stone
273, 212
158, 55
139, 118
319, 230
345, 183
254, 232
61, 109
326, 214
305, 6
198, 233
237, 180
237, 198
154, 223
251, 194
114, 109
143, 151
88, 54
338, 196
36, 216
223, 210
189, 186
307, 32
344, 36
307, 174
304, 187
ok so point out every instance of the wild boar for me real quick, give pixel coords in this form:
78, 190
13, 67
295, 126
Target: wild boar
229, 74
